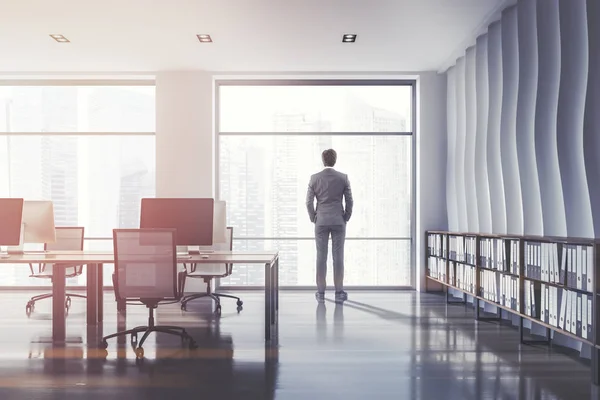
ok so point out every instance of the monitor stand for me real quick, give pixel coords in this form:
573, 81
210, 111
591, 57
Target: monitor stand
183, 251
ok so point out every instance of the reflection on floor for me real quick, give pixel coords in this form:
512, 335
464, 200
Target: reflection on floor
393, 345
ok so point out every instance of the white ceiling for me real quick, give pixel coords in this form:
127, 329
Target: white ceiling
249, 35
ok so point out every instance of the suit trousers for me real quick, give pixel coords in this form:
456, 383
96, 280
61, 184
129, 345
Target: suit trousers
338, 237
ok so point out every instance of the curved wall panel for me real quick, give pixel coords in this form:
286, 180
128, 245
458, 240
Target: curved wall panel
548, 34
471, 130
493, 143
481, 165
463, 223
528, 76
591, 129
451, 196
569, 125
508, 126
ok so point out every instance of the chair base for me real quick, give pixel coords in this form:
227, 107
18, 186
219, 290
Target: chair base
147, 330
31, 303
215, 296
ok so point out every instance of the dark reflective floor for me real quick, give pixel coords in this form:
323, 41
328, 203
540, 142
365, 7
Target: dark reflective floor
377, 345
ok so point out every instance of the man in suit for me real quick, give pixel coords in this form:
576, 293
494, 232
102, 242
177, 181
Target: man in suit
330, 217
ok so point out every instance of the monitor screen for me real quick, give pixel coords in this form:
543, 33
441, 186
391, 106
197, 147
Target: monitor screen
11, 217
192, 218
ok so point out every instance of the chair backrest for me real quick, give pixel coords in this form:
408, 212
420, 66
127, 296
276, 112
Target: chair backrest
146, 264
67, 238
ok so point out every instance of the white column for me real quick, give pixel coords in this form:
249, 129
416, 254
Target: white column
184, 139
184, 134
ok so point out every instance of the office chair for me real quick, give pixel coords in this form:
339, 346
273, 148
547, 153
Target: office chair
68, 239
208, 272
146, 274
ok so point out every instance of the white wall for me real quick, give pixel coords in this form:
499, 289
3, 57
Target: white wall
184, 134
431, 212
185, 143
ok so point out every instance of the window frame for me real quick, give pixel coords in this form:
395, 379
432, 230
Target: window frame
218, 83
71, 83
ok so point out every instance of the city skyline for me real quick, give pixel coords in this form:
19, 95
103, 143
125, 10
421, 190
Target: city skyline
97, 181
93, 181
271, 173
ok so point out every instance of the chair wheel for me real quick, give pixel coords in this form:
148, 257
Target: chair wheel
218, 310
103, 345
29, 309
239, 309
183, 307
139, 353
68, 302
240, 303
193, 345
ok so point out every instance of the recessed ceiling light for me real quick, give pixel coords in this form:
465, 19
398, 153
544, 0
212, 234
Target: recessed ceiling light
204, 38
349, 38
59, 38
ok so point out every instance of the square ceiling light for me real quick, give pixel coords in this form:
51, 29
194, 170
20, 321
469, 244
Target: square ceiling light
204, 38
349, 38
59, 38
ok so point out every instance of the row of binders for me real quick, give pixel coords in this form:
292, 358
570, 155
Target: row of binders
456, 248
437, 268
529, 297
462, 249
501, 289
493, 255
436, 245
567, 310
575, 270
464, 277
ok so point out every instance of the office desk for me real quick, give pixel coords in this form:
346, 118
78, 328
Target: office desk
94, 261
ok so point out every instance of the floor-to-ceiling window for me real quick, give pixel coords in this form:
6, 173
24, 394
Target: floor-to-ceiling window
270, 138
88, 147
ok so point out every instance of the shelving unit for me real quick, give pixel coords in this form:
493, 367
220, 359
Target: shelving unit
550, 281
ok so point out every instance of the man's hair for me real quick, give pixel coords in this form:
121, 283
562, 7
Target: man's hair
329, 157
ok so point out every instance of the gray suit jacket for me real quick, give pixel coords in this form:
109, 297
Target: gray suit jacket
329, 187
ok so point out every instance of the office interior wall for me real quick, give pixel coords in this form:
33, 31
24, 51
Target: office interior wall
184, 134
525, 118
430, 157
508, 126
541, 123
591, 126
484, 206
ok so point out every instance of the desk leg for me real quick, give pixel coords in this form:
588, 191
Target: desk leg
92, 294
277, 286
59, 328
268, 301
273, 292
100, 293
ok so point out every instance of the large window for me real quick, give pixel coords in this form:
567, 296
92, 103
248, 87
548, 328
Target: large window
270, 139
89, 149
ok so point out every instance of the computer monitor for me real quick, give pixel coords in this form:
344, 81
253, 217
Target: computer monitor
193, 218
38, 222
11, 215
